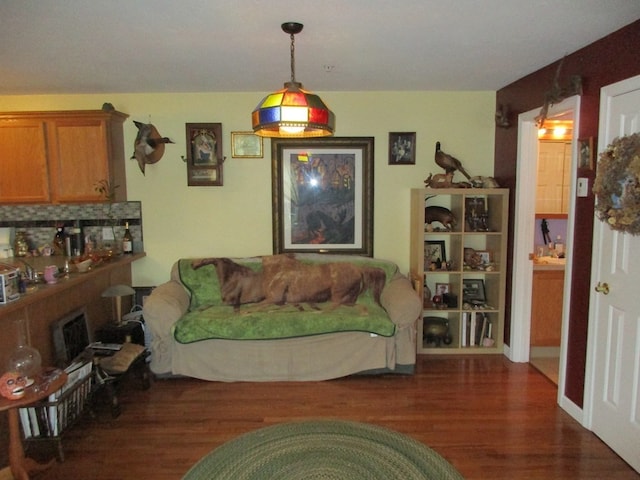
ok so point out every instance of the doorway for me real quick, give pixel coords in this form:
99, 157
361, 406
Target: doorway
524, 232
552, 202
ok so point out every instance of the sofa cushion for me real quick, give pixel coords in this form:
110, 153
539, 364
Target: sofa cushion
270, 322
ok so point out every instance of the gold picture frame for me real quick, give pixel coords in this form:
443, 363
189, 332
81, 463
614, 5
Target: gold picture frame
246, 145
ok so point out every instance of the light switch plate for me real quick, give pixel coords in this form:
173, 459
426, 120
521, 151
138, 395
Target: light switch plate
583, 187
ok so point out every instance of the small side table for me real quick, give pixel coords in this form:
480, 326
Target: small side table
47, 382
118, 333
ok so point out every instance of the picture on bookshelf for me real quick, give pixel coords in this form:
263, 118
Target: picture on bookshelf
476, 214
473, 291
434, 253
485, 256
442, 288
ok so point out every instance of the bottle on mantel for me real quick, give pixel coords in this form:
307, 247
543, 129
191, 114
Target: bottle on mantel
127, 240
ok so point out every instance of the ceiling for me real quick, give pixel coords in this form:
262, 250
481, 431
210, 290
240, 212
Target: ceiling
131, 46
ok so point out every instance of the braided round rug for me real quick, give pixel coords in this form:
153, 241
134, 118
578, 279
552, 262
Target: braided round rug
325, 449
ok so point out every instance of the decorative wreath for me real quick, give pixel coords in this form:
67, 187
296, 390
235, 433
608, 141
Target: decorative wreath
617, 184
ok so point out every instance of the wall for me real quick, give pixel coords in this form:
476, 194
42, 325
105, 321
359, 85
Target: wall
606, 61
235, 219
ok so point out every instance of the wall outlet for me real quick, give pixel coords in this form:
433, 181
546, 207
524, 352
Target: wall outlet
583, 187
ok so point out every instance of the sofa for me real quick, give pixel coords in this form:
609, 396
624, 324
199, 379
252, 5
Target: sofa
201, 327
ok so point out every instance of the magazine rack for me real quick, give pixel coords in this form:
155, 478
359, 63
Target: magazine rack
49, 419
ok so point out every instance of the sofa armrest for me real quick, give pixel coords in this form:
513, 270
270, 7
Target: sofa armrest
166, 304
401, 301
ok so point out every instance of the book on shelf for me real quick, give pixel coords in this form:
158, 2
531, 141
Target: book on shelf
465, 327
472, 330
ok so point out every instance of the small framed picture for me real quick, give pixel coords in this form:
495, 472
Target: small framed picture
204, 154
585, 156
442, 288
434, 252
473, 291
402, 148
246, 145
485, 256
476, 214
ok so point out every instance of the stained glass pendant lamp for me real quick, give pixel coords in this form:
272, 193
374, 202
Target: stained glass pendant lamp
292, 112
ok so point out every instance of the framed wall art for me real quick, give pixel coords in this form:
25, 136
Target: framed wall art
585, 149
246, 145
323, 195
402, 148
204, 154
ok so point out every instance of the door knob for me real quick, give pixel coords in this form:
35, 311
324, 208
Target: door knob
602, 288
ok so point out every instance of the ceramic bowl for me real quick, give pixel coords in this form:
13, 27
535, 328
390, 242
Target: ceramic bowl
83, 267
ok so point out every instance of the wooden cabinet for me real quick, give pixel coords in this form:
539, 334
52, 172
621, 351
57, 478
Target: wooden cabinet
468, 262
546, 307
554, 177
58, 157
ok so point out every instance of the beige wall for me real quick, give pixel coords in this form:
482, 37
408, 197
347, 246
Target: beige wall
235, 219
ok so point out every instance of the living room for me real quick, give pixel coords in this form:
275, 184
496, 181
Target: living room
235, 219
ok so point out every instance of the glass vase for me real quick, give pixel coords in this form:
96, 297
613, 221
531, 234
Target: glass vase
24, 360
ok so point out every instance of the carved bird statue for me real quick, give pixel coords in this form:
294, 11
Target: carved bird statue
449, 163
148, 145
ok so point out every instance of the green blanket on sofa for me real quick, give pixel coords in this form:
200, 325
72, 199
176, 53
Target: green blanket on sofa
208, 318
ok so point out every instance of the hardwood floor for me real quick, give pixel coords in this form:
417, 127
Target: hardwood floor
489, 417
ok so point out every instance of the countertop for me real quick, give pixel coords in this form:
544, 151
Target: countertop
44, 290
548, 263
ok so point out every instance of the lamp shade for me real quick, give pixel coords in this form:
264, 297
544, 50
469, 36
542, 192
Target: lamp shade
117, 292
293, 112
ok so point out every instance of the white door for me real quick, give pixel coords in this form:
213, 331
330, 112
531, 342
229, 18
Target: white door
613, 356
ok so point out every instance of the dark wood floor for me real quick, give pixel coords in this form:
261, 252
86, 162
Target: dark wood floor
490, 418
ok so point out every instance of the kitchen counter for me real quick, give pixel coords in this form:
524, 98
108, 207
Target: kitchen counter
46, 304
549, 263
43, 290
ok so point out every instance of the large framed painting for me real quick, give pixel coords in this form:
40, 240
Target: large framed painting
323, 195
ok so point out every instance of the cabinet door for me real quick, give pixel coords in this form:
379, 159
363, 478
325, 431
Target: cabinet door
546, 308
79, 151
23, 162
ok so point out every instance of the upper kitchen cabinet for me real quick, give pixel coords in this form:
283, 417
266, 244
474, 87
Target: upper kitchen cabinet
554, 178
59, 157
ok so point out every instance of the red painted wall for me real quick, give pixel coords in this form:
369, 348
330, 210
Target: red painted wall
609, 60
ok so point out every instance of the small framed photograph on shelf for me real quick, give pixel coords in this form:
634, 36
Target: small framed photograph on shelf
434, 253
485, 256
473, 291
442, 288
476, 214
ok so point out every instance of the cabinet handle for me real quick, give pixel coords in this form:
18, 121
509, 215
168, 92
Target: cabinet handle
602, 288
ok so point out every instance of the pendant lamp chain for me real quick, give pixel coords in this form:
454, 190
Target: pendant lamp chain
293, 58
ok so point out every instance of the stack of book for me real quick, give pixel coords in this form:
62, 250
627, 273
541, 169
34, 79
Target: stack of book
476, 327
